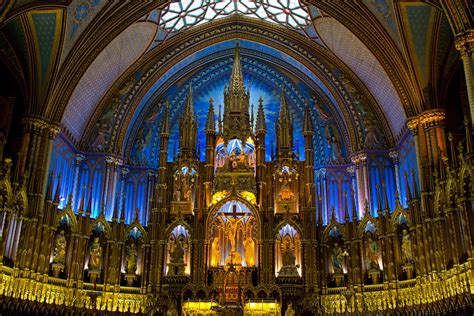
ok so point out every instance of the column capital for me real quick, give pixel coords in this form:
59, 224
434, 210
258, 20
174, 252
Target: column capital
113, 161
80, 158
464, 42
426, 119
358, 158
351, 169
125, 171
393, 154
37, 123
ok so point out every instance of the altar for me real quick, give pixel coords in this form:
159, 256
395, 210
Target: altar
263, 307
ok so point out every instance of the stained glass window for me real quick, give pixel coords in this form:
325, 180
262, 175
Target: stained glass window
180, 15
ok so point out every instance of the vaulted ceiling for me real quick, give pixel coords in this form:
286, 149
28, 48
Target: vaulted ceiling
105, 67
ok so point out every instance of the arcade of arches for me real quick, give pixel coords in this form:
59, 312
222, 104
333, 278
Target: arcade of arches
236, 157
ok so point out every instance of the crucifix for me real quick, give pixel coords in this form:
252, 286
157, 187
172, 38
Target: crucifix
232, 226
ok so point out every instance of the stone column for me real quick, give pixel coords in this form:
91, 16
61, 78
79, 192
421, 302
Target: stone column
360, 162
77, 166
464, 43
394, 156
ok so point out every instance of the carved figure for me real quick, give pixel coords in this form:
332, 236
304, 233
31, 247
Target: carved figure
288, 260
132, 259
249, 246
60, 248
172, 311
232, 230
215, 253
95, 255
177, 254
176, 190
407, 254
289, 310
337, 258
372, 254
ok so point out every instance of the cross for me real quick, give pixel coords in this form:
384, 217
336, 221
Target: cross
234, 211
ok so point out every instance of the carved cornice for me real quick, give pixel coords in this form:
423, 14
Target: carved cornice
427, 119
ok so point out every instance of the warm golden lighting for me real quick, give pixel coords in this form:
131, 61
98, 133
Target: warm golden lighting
248, 196
199, 308
262, 308
219, 196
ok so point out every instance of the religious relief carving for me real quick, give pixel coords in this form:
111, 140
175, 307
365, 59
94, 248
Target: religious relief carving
183, 184
234, 182
60, 245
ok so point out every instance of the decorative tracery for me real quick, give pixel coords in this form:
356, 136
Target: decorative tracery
184, 14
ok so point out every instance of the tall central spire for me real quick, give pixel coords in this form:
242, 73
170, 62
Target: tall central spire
236, 104
236, 84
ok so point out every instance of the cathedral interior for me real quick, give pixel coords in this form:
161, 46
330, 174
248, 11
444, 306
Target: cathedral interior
271, 157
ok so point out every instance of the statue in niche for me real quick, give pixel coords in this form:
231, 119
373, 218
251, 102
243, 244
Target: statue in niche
372, 254
177, 253
249, 246
60, 248
132, 255
176, 190
288, 258
407, 253
95, 255
337, 258
215, 253
285, 193
173, 310
289, 310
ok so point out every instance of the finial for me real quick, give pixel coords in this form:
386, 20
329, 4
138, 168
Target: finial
468, 136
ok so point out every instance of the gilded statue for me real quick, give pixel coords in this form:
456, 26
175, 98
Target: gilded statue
249, 246
407, 253
95, 255
232, 225
132, 255
215, 253
372, 254
289, 310
60, 248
